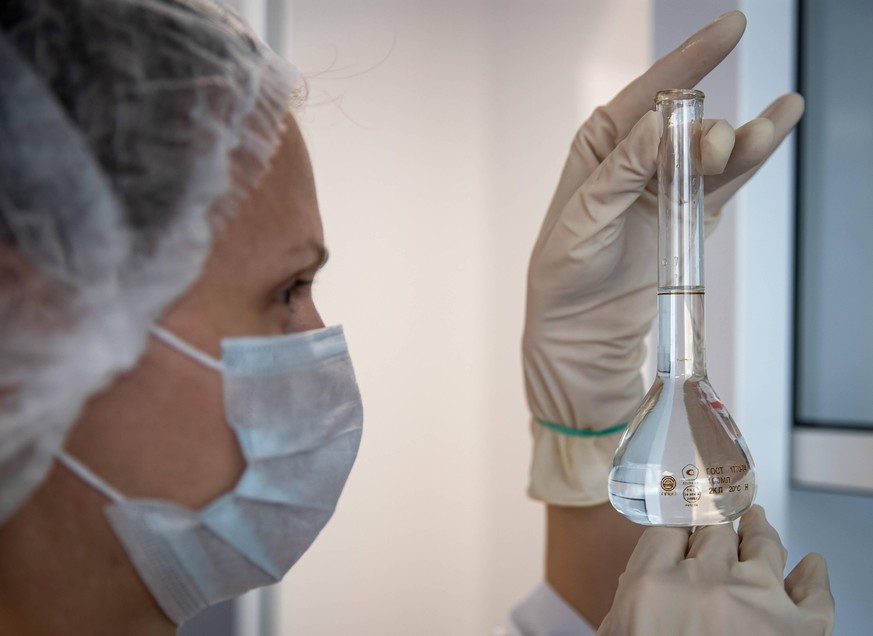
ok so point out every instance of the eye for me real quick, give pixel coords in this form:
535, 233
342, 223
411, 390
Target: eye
294, 290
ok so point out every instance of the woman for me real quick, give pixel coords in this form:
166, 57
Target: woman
177, 423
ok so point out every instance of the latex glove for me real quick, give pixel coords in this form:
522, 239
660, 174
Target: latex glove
592, 278
718, 582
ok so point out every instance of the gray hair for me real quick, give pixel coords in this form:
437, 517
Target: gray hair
126, 128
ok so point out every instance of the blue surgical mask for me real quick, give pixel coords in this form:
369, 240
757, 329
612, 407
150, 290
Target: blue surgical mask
295, 407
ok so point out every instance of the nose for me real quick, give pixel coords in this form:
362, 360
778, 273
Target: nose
307, 318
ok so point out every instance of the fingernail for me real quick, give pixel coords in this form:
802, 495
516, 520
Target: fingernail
728, 13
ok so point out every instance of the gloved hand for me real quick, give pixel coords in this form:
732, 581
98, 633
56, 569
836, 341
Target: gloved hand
591, 283
719, 583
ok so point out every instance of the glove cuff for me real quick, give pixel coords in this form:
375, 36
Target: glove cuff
570, 467
581, 432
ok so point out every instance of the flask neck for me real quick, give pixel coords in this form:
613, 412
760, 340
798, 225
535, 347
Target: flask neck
680, 236
680, 190
681, 350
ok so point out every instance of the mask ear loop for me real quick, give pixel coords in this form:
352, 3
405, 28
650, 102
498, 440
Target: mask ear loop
87, 475
181, 346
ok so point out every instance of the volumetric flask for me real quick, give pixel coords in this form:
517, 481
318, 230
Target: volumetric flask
682, 460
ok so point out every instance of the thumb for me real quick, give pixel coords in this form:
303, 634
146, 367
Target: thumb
809, 587
617, 182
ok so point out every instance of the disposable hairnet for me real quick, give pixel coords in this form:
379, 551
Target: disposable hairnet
126, 128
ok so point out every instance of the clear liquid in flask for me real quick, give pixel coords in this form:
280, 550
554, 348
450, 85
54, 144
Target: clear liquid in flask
684, 463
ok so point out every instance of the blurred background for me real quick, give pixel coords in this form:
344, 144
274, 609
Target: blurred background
437, 131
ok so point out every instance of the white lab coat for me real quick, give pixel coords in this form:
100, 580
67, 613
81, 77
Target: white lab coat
544, 613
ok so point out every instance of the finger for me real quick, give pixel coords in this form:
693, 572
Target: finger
616, 183
608, 125
715, 544
785, 112
683, 67
658, 549
808, 579
716, 145
760, 543
809, 587
751, 147
754, 141
753, 144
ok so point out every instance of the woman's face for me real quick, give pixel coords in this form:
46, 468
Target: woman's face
159, 430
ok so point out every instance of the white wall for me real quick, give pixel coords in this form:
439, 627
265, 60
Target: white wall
399, 157
437, 132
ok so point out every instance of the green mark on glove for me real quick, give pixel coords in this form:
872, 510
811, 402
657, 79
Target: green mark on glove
581, 432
